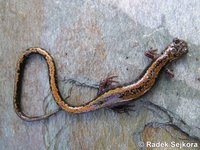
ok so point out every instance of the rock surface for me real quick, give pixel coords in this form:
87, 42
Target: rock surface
89, 40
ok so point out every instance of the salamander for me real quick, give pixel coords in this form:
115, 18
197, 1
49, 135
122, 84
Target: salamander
106, 99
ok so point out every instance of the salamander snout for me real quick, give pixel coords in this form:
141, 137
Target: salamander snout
176, 49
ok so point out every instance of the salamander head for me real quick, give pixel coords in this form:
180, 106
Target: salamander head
176, 49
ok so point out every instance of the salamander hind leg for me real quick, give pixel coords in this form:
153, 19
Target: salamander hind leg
106, 84
124, 108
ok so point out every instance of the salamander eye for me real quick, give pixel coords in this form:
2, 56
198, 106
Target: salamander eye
176, 40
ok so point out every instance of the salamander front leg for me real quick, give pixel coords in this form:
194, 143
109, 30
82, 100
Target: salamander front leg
151, 53
169, 72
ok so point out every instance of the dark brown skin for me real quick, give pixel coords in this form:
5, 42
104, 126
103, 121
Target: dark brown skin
107, 99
